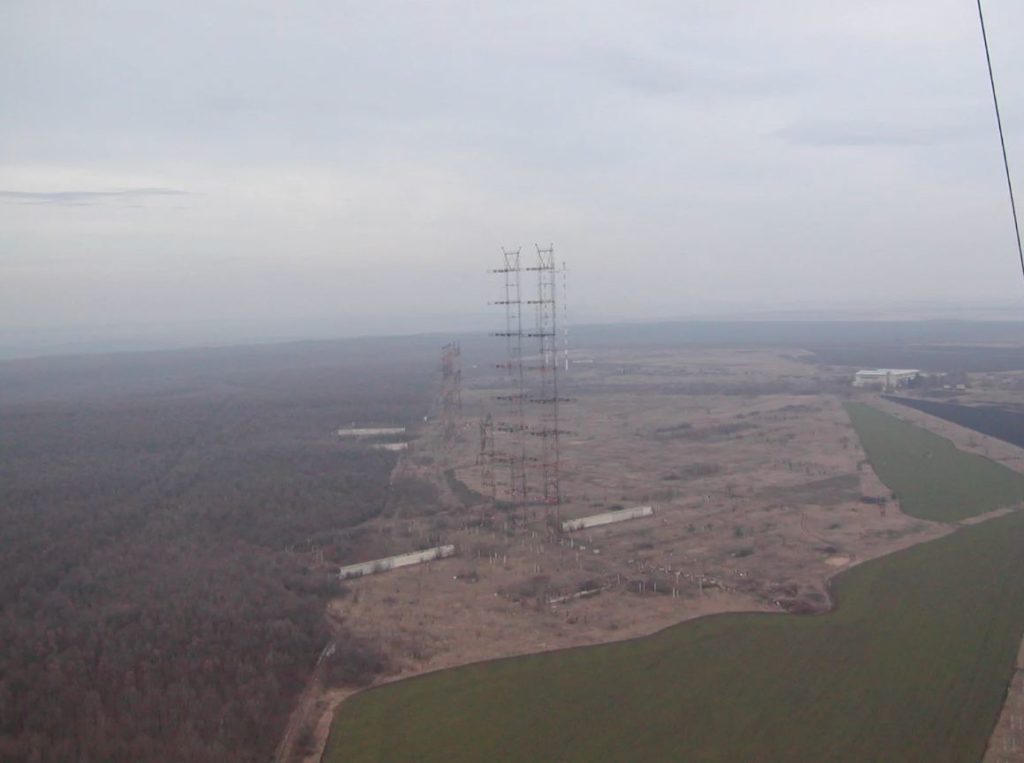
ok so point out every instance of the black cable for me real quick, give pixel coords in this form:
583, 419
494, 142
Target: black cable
1002, 140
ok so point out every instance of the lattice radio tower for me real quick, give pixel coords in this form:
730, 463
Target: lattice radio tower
513, 425
546, 333
451, 391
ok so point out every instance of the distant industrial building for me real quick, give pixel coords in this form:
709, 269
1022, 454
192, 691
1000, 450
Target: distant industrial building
393, 562
607, 518
885, 378
371, 432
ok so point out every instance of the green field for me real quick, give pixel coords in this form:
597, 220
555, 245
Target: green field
932, 478
912, 666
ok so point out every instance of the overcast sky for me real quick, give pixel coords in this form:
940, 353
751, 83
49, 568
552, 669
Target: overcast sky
332, 167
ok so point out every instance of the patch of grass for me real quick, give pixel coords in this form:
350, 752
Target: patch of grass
930, 476
465, 494
693, 471
687, 432
912, 665
824, 492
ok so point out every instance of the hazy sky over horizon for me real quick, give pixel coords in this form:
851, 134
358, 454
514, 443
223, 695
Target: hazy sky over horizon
279, 164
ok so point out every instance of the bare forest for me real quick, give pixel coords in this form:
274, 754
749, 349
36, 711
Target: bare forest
163, 586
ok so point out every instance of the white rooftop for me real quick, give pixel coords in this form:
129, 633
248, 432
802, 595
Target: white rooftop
886, 371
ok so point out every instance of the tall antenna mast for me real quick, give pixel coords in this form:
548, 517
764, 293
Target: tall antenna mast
565, 316
514, 427
546, 333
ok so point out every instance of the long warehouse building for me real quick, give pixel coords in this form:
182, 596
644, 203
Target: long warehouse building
607, 518
393, 562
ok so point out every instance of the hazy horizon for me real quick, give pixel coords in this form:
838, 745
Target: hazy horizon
250, 172
58, 341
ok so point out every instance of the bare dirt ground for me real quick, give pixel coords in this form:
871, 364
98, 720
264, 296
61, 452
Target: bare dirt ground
748, 458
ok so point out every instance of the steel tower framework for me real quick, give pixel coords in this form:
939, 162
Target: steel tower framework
513, 426
547, 396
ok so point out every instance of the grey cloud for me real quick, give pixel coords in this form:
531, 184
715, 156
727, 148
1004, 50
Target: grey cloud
123, 196
644, 74
704, 77
231, 104
852, 135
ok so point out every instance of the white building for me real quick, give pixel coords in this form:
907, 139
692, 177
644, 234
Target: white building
393, 562
392, 446
607, 518
370, 432
885, 378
